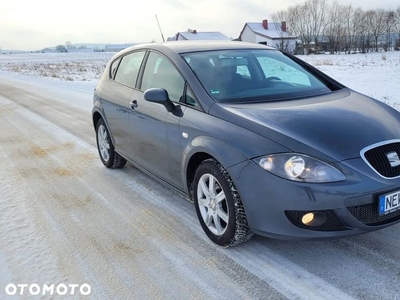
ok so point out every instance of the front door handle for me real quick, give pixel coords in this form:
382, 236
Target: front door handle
133, 104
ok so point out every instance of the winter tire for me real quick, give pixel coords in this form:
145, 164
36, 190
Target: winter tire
110, 158
218, 205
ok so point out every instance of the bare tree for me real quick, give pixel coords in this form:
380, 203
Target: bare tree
377, 24
285, 43
361, 30
69, 45
317, 11
397, 26
341, 26
61, 48
348, 15
307, 21
335, 29
300, 23
390, 28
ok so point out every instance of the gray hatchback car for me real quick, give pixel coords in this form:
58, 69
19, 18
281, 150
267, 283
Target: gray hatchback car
262, 142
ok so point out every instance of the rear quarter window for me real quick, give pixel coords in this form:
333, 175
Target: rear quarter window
114, 67
128, 69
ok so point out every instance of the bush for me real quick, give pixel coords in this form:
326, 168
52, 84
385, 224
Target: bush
61, 48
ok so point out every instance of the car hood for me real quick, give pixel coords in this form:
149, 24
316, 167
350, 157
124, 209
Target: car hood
333, 127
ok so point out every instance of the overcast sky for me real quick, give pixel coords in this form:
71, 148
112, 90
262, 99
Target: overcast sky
35, 24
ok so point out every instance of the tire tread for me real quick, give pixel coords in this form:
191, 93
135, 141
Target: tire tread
116, 161
242, 231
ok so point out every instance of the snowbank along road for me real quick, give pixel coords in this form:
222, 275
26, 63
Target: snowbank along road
66, 219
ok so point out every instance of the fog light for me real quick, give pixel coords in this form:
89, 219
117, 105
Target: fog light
307, 218
314, 219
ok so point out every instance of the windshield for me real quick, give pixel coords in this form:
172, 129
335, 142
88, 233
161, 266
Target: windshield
253, 76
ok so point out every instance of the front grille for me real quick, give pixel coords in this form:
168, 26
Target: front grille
377, 158
369, 214
332, 223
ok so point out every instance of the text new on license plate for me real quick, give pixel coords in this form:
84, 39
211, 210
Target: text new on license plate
389, 203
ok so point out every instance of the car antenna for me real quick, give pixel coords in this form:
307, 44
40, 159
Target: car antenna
159, 27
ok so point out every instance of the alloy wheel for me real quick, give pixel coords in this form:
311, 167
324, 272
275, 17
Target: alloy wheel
103, 141
212, 204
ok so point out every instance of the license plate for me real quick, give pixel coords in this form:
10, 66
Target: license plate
389, 203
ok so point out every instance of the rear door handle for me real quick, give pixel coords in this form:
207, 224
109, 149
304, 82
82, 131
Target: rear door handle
133, 104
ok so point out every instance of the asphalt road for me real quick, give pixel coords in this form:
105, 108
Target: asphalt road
66, 219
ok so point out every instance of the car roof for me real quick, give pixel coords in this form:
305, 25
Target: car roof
194, 46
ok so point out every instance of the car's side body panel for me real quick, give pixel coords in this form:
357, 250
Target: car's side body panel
115, 103
155, 136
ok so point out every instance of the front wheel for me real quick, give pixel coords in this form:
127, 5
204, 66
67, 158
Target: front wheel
110, 158
218, 205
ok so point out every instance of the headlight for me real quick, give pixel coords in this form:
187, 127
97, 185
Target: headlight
300, 167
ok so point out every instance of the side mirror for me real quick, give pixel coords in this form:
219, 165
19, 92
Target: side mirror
160, 96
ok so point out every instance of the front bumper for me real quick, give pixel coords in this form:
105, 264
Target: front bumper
274, 205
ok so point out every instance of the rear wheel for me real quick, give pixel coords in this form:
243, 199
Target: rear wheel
218, 205
110, 158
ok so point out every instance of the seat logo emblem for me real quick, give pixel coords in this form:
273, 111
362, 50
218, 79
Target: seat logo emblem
393, 158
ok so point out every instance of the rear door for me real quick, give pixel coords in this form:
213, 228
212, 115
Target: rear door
117, 95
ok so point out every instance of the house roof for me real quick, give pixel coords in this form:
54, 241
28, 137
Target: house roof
211, 35
274, 30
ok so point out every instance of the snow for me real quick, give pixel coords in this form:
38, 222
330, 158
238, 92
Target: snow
77, 66
373, 74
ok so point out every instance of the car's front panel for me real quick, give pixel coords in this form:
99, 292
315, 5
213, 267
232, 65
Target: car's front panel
275, 206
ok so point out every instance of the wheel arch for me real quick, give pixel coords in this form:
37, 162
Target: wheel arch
96, 116
202, 148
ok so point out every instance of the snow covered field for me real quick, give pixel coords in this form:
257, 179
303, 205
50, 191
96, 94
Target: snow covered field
66, 219
374, 74
78, 66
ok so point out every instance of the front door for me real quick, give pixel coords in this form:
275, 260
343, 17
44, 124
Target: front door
155, 132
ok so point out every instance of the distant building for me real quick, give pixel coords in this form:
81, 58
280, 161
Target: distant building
117, 47
81, 50
196, 35
271, 34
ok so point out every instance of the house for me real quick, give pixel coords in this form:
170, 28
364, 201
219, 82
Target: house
271, 34
196, 35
